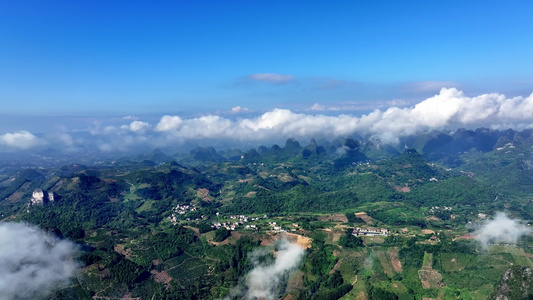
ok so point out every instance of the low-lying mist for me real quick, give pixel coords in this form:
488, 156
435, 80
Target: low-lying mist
33, 262
501, 229
266, 280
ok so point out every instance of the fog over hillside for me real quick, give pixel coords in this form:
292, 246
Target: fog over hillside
449, 109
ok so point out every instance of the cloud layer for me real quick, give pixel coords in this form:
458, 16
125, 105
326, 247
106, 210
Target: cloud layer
19, 140
450, 108
501, 229
32, 262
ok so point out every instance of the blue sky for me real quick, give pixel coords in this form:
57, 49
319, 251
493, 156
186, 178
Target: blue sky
171, 57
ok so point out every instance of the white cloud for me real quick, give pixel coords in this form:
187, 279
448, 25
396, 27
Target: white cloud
265, 281
501, 229
450, 108
168, 122
238, 109
19, 140
271, 77
138, 126
32, 261
318, 107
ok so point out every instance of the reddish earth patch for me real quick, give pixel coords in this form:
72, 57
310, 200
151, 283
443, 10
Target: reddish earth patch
361, 296
120, 249
403, 189
267, 239
161, 277
464, 237
396, 264
425, 284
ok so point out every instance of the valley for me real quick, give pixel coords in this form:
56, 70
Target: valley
372, 221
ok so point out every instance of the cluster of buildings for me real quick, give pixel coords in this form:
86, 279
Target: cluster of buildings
227, 225
370, 231
183, 209
434, 209
508, 145
276, 227
244, 218
241, 220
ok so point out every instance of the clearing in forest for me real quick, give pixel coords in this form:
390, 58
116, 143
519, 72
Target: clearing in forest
333, 218
430, 278
302, 241
362, 215
395, 262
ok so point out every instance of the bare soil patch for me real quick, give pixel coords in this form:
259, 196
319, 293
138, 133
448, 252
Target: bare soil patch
333, 218
364, 217
336, 237
15, 197
196, 230
120, 249
302, 241
403, 189
396, 264
204, 194
161, 277
429, 277
336, 267
250, 194
361, 296
267, 239
234, 237
127, 296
